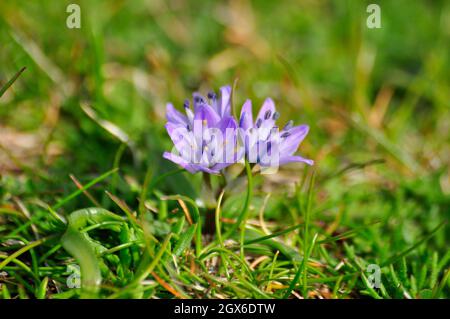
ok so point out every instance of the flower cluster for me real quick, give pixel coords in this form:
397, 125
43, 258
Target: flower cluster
208, 138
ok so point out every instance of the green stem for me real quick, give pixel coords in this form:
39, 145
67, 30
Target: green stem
218, 231
244, 211
198, 238
210, 202
307, 247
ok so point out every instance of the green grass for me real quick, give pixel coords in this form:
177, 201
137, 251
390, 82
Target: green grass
81, 130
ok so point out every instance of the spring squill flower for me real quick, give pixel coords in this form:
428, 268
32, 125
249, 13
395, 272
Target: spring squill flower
209, 139
202, 137
264, 143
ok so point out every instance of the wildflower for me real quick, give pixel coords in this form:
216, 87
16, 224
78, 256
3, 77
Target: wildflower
264, 143
202, 138
208, 138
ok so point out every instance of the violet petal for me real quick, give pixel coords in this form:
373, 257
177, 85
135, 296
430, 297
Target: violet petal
246, 118
174, 116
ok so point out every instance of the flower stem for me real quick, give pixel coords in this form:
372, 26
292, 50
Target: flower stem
243, 214
217, 219
210, 223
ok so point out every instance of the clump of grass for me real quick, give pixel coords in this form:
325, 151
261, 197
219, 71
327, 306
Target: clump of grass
132, 254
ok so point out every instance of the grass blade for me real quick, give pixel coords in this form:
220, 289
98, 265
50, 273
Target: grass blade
244, 211
11, 81
185, 240
276, 234
84, 188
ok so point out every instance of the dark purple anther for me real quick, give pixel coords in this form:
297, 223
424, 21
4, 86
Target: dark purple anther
288, 125
275, 116
211, 95
199, 99
269, 148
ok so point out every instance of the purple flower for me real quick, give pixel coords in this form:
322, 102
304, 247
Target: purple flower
202, 137
207, 138
264, 143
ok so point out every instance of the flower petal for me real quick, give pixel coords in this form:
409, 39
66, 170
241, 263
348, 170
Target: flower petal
219, 166
178, 160
225, 97
180, 137
174, 116
291, 159
205, 169
268, 108
227, 122
290, 143
246, 118
206, 113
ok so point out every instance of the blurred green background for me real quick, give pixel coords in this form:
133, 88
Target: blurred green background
377, 100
